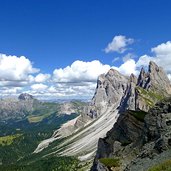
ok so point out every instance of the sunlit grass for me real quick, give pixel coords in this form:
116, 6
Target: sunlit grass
110, 162
8, 140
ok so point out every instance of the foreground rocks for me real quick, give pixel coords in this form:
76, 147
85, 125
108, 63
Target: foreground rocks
140, 140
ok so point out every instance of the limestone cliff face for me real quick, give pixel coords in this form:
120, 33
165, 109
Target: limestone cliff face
158, 77
141, 134
110, 89
129, 98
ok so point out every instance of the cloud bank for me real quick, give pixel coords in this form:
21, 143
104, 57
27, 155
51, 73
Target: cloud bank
78, 80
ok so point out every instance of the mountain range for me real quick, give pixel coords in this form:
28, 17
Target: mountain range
126, 126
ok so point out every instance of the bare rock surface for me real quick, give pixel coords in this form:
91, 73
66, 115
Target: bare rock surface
141, 136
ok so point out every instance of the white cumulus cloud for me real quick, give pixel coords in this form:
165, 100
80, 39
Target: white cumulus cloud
162, 49
13, 68
128, 67
80, 71
119, 44
42, 78
77, 80
162, 56
39, 87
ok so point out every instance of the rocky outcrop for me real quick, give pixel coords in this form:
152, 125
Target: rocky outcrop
110, 89
155, 79
129, 99
138, 139
136, 129
148, 89
158, 77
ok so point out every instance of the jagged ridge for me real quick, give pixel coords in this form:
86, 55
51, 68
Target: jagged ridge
137, 132
114, 94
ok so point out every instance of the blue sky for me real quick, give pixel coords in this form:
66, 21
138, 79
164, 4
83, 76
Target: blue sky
54, 34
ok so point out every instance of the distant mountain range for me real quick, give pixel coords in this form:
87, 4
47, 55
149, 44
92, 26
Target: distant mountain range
26, 106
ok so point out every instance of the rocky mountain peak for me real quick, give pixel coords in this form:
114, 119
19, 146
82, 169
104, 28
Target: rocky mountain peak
25, 96
141, 121
142, 78
158, 77
154, 78
110, 89
133, 78
153, 67
149, 88
113, 73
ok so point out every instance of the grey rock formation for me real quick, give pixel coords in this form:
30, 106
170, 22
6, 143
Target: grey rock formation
129, 99
96, 118
149, 88
138, 142
155, 79
140, 138
158, 77
142, 79
110, 89
116, 90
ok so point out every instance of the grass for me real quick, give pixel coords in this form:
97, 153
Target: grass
150, 97
8, 140
34, 119
110, 162
49, 164
45, 109
42, 111
164, 166
139, 115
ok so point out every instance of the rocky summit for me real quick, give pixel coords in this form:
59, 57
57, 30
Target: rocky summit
140, 138
149, 88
